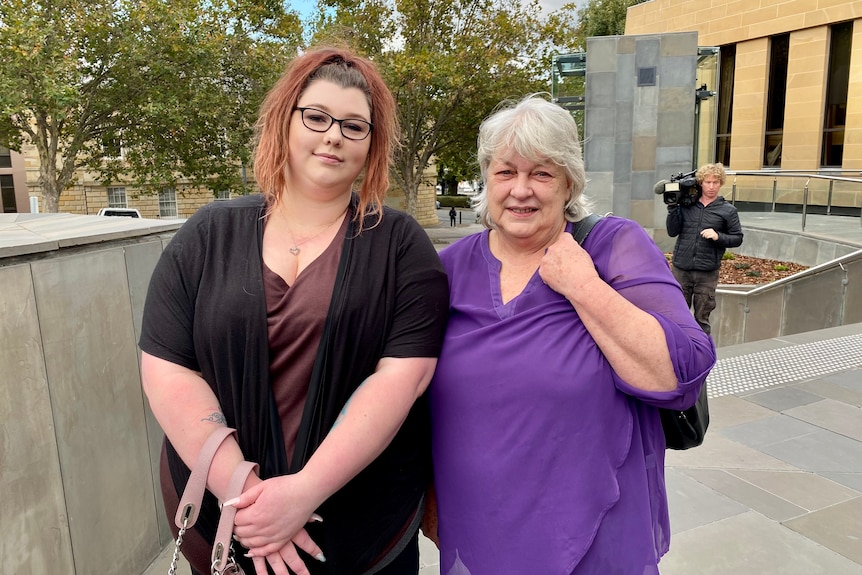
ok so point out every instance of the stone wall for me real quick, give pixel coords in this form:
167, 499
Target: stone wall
639, 122
78, 446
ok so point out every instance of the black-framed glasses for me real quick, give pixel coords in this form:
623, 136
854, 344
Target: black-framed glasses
319, 121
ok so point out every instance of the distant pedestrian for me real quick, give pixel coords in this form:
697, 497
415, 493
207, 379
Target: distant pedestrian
452, 215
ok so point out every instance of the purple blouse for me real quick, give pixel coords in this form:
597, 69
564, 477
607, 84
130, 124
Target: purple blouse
544, 460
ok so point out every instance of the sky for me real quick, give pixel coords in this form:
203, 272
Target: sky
306, 7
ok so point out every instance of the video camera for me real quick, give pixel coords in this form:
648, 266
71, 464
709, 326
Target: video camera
682, 189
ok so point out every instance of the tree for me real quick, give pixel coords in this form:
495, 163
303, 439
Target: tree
603, 18
448, 63
175, 84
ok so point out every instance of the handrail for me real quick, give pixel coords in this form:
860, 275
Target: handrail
796, 174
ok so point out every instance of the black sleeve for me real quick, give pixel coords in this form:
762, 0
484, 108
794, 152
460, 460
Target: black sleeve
167, 329
422, 298
731, 235
674, 221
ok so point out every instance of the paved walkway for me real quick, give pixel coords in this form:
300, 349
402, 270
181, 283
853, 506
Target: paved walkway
776, 488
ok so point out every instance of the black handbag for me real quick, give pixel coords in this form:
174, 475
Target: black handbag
682, 429
685, 429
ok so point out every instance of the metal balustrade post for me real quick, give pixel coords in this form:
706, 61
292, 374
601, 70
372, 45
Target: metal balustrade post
733, 192
829, 199
774, 191
805, 203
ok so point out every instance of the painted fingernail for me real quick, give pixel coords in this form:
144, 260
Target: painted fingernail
320, 557
316, 518
230, 502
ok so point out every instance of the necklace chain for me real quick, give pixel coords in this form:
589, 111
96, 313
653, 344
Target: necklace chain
295, 249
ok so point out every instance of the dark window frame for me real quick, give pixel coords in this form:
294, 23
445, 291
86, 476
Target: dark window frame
776, 100
724, 127
837, 88
7, 194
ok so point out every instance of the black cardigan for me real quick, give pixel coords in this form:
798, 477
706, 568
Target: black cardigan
205, 310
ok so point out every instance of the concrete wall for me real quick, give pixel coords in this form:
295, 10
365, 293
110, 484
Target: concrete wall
636, 134
825, 296
77, 443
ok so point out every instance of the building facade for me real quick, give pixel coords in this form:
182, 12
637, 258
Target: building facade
87, 194
787, 88
13, 183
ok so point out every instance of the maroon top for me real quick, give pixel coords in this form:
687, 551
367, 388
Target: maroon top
295, 318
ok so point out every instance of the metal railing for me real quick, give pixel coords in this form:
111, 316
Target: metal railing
831, 177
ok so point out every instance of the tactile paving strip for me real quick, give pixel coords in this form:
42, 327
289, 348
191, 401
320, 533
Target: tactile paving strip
784, 365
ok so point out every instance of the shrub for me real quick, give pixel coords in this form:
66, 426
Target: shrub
753, 274
781, 268
742, 265
457, 201
728, 256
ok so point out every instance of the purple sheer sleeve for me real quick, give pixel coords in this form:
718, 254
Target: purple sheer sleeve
630, 262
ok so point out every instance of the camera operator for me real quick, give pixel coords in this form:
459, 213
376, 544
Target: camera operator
704, 229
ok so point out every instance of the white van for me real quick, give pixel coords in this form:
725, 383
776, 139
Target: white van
121, 212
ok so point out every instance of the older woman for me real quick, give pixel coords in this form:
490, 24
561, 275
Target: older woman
548, 448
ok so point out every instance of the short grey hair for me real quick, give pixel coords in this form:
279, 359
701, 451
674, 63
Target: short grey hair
539, 131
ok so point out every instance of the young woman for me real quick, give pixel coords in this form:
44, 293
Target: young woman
308, 318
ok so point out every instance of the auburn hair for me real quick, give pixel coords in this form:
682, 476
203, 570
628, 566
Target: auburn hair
347, 70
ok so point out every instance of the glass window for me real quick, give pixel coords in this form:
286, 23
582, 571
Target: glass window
117, 198
168, 203
7, 194
837, 82
112, 147
775, 100
5, 158
222, 195
726, 69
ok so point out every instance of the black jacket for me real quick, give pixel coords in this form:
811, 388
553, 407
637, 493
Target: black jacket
206, 310
693, 252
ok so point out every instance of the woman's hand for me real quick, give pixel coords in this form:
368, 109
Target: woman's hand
270, 521
566, 266
283, 558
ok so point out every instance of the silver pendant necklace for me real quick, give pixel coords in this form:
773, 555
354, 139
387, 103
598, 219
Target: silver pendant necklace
295, 249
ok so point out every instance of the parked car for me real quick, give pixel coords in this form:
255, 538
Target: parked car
121, 212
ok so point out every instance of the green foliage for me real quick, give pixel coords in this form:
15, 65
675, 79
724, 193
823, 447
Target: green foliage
780, 268
753, 273
728, 256
175, 83
603, 18
456, 201
742, 265
448, 63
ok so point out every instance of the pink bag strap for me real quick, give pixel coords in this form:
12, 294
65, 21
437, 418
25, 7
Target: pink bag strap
221, 545
193, 495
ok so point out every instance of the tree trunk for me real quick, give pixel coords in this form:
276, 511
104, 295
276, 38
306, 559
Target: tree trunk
48, 182
411, 196
451, 186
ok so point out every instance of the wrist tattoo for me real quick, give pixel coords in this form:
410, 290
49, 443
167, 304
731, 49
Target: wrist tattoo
216, 417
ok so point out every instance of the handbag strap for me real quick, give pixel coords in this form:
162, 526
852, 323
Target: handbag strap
193, 495
582, 227
221, 545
